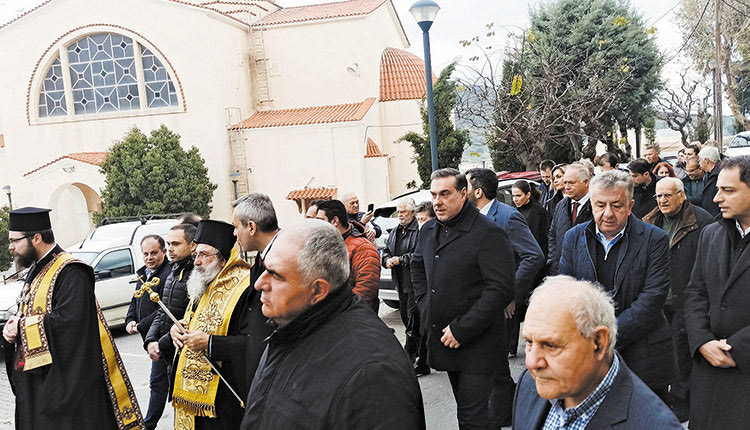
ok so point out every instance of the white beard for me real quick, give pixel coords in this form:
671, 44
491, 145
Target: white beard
200, 279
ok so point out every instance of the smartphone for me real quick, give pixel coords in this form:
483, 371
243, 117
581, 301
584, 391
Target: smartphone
371, 207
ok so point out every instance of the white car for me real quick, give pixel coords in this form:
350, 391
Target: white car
740, 145
114, 252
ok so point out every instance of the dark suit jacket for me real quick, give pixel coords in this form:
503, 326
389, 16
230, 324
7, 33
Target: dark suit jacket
464, 282
630, 404
562, 221
142, 310
529, 256
640, 290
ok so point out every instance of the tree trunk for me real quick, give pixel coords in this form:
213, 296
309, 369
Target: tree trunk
731, 87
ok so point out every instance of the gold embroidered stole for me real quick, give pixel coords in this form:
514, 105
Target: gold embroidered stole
36, 347
195, 384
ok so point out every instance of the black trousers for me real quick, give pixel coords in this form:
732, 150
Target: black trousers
472, 393
416, 344
680, 389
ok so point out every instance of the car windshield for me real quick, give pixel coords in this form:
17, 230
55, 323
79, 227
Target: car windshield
740, 141
86, 257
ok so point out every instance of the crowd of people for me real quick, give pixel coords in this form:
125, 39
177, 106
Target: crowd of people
628, 281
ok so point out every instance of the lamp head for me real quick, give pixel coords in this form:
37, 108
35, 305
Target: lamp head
424, 12
7, 189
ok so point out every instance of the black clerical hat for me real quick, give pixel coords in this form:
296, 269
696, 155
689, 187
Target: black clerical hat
29, 219
218, 234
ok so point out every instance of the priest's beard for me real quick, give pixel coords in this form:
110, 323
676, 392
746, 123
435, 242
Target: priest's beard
201, 277
26, 258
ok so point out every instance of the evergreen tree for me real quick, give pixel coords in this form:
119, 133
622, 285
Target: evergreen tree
450, 142
5, 259
154, 175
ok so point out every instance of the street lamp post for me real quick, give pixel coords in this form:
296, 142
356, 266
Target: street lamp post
424, 12
7, 191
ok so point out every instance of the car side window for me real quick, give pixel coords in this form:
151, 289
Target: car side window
118, 263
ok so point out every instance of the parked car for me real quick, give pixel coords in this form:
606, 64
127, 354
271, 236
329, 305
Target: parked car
740, 145
386, 217
114, 251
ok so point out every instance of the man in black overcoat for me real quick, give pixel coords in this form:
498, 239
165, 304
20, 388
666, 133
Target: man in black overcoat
717, 300
463, 276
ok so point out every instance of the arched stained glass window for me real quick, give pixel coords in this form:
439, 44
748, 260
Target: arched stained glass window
106, 72
52, 96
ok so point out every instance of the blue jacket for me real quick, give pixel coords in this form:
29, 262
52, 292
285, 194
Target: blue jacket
529, 256
629, 404
562, 221
640, 290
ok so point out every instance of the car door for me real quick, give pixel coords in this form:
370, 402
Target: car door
115, 284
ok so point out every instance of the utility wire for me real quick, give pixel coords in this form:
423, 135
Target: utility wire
665, 13
743, 13
687, 39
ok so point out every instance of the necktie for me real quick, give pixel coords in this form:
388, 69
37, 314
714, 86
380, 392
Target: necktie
575, 211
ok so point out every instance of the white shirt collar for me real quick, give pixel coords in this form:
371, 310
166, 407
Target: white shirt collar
583, 200
486, 208
268, 247
743, 233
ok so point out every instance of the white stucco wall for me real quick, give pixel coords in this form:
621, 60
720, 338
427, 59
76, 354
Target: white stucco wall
209, 54
316, 74
398, 117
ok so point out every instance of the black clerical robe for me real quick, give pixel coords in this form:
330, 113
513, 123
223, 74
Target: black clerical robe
69, 393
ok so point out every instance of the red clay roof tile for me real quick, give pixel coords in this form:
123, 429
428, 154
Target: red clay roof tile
308, 115
312, 194
95, 158
373, 150
401, 76
316, 12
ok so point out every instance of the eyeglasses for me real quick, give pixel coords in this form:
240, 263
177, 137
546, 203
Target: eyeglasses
13, 241
664, 196
203, 254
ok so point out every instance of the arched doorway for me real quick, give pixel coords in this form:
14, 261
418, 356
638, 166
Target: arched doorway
73, 205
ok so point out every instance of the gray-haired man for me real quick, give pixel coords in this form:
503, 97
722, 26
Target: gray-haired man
397, 256
331, 362
575, 378
630, 259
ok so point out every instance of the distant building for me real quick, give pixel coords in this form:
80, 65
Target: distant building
303, 102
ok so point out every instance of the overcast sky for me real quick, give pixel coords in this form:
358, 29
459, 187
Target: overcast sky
463, 19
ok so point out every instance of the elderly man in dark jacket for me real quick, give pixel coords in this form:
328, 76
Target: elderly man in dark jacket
141, 314
630, 259
683, 223
574, 209
331, 363
717, 300
710, 162
463, 274
397, 256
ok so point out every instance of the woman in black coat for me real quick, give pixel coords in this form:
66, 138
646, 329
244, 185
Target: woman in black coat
526, 199
557, 189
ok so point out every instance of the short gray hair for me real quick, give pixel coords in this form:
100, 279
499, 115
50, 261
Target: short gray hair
583, 171
347, 196
409, 203
323, 254
589, 165
710, 153
590, 305
258, 208
674, 181
614, 179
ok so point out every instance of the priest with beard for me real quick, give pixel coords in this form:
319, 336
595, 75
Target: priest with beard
217, 329
62, 362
